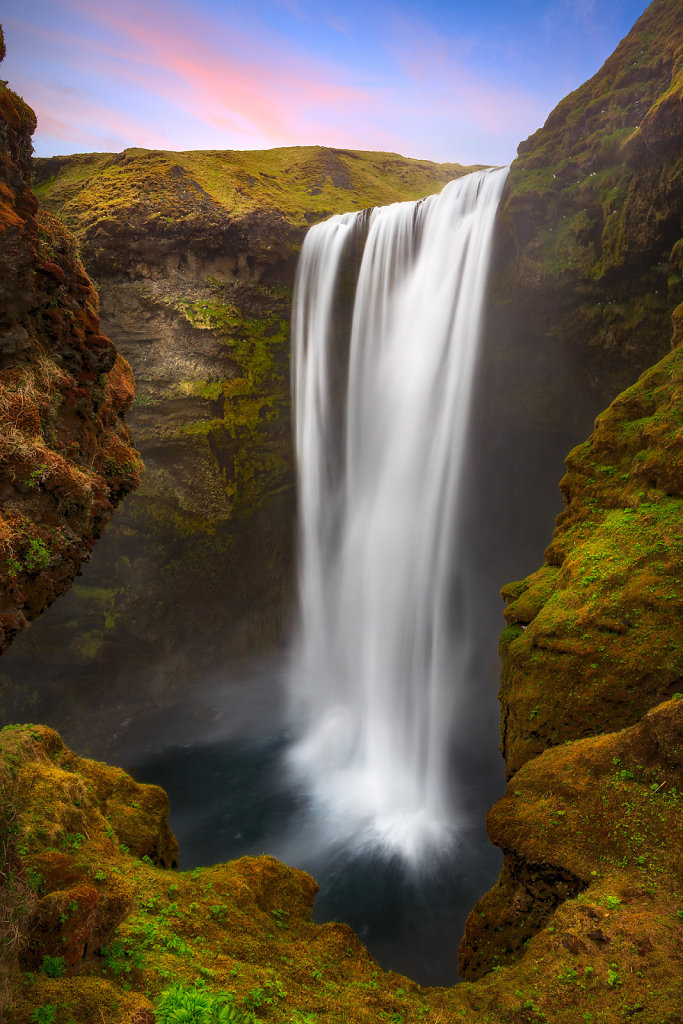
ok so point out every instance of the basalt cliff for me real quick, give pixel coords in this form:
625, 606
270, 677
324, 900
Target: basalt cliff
585, 921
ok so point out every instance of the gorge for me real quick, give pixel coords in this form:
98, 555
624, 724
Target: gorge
586, 281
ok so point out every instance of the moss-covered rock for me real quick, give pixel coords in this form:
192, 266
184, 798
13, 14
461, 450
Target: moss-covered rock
588, 249
103, 927
65, 453
601, 624
591, 820
594, 643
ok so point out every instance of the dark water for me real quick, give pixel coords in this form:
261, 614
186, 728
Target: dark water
233, 795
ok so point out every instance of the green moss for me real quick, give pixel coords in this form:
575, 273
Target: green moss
602, 808
251, 440
297, 182
604, 614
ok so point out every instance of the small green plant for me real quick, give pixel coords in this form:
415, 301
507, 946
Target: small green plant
53, 966
69, 912
72, 841
14, 567
183, 1004
34, 879
121, 958
613, 976
44, 1014
35, 477
36, 556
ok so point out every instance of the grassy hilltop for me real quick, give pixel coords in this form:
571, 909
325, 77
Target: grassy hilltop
301, 183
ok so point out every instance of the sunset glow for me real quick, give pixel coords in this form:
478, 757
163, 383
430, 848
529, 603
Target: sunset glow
462, 82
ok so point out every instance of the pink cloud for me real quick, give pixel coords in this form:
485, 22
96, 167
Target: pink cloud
216, 84
68, 115
237, 86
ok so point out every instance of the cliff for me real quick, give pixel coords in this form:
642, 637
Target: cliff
595, 643
65, 454
589, 262
194, 255
591, 259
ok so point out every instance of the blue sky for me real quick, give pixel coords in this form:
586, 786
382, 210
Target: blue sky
443, 81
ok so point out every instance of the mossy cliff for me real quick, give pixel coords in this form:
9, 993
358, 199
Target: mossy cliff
194, 255
65, 453
594, 643
589, 255
586, 285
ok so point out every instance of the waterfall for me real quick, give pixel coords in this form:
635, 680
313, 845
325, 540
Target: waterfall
381, 433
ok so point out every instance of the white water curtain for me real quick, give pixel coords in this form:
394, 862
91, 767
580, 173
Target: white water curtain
375, 674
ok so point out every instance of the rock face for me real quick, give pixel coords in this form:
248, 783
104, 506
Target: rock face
589, 254
65, 454
194, 255
594, 641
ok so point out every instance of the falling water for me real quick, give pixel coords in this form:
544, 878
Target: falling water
381, 434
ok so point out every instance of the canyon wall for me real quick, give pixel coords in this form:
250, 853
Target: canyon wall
590, 263
194, 255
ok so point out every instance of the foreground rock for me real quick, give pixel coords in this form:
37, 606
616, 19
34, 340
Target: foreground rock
65, 454
96, 925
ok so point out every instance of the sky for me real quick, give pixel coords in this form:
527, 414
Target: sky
443, 80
